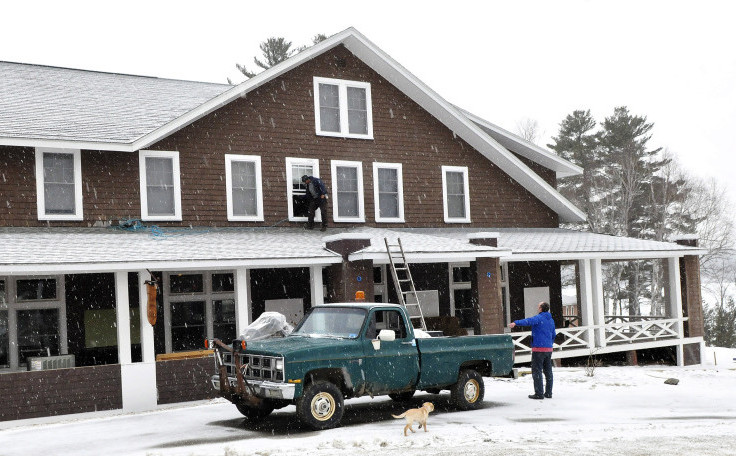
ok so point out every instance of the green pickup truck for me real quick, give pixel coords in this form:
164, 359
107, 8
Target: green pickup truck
341, 351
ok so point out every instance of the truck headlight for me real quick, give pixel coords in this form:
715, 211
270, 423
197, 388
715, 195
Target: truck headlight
280, 364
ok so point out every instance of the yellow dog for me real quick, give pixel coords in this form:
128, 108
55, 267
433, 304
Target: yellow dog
417, 415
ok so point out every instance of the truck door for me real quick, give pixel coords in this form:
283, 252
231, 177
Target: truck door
395, 365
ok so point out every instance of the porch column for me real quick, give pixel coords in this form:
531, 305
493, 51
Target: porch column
348, 276
139, 379
586, 300
122, 312
675, 303
316, 285
486, 286
242, 300
599, 309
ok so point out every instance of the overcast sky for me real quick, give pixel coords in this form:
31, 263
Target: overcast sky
673, 61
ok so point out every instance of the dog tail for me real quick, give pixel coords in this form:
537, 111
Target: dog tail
399, 416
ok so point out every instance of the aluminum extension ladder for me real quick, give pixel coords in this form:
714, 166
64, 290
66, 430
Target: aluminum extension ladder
404, 284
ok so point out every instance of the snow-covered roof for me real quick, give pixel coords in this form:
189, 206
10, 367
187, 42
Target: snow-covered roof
66, 250
90, 109
535, 244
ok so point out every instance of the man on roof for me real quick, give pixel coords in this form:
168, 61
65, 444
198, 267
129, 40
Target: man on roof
316, 197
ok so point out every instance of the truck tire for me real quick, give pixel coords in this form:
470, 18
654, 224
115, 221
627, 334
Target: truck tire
255, 413
402, 397
468, 392
321, 405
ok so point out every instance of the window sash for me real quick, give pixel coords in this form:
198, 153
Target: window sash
58, 184
343, 108
347, 191
388, 192
456, 198
160, 185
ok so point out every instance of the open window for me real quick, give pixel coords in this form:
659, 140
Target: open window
296, 189
59, 184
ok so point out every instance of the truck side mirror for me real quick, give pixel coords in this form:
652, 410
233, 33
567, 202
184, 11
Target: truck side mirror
387, 335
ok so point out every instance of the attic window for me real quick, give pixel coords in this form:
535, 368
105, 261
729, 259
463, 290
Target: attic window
59, 184
343, 108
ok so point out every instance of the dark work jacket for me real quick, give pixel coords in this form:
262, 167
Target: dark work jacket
319, 187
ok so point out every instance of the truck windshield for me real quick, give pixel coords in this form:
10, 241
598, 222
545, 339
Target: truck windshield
332, 322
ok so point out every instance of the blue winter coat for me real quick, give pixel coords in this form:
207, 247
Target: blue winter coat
543, 329
319, 187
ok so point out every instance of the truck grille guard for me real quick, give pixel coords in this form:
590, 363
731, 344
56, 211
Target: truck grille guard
231, 361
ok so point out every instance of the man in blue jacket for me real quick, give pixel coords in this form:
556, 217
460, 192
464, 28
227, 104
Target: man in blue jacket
316, 196
543, 336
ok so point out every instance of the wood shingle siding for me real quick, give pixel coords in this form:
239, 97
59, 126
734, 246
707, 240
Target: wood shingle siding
277, 121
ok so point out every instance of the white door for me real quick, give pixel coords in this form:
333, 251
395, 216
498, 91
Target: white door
532, 297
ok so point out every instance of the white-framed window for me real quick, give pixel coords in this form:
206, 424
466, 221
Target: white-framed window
244, 188
59, 184
343, 108
388, 192
160, 185
296, 189
456, 194
347, 191
198, 305
33, 316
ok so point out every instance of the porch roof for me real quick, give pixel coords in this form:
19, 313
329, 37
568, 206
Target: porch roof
65, 250
537, 244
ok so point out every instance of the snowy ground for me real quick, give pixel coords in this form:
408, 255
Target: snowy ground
619, 411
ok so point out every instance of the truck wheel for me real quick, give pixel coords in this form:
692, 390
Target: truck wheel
256, 412
402, 397
321, 406
468, 392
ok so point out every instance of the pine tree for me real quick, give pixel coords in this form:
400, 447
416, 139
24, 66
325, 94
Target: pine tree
577, 142
275, 50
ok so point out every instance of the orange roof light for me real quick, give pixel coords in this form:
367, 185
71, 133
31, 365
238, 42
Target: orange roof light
360, 295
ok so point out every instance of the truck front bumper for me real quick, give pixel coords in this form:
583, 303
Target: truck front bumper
263, 389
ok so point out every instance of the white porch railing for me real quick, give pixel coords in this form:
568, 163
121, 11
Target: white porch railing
641, 331
636, 329
572, 337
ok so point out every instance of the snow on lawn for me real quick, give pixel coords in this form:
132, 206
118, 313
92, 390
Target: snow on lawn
618, 411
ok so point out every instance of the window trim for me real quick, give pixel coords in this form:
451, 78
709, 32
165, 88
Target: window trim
256, 159
290, 162
343, 85
400, 176
464, 171
40, 184
174, 156
361, 203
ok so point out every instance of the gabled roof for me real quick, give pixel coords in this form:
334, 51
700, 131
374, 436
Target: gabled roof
526, 149
48, 106
394, 73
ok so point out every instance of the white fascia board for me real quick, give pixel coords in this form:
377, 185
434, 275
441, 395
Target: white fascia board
64, 144
430, 257
528, 149
446, 113
179, 265
628, 255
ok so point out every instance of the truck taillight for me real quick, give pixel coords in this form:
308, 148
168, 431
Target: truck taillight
206, 344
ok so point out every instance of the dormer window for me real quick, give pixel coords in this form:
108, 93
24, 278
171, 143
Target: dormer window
59, 184
343, 108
